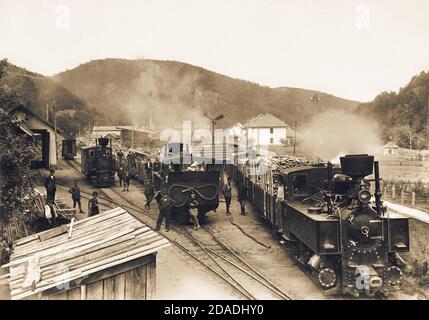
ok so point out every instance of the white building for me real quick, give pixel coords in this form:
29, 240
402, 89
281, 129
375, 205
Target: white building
265, 129
391, 149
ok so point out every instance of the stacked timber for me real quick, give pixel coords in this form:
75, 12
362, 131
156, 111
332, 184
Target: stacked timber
65, 256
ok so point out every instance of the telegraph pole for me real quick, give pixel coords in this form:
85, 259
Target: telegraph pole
213, 124
55, 134
132, 136
294, 138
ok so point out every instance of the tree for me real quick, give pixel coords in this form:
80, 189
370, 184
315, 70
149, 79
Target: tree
16, 152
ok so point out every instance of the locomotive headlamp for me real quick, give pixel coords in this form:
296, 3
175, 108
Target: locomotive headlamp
364, 196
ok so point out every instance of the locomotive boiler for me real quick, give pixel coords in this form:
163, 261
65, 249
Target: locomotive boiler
98, 164
335, 223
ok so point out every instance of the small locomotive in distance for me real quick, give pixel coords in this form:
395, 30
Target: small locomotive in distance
335, 225
98, 164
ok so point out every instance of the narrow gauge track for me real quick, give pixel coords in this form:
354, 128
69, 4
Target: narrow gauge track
221, 257
216, 257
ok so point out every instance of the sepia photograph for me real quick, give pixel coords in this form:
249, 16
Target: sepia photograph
202, 154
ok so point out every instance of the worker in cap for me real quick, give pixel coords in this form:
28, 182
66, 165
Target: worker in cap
93, 205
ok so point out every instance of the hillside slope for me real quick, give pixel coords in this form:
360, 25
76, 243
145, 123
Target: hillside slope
400, 113
126, 90
35, 91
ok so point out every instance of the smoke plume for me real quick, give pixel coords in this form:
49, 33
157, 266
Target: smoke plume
336, 133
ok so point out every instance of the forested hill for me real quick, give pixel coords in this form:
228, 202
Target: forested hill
402, 112
35, 91
175, 91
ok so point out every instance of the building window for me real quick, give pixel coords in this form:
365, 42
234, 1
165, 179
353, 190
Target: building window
271, 130
271, 140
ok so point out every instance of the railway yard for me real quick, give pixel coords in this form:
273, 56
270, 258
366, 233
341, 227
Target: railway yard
231, 256
219, 261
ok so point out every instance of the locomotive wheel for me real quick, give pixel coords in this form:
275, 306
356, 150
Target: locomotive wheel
393, 275
327, 278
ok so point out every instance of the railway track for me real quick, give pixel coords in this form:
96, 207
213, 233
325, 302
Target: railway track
216, 256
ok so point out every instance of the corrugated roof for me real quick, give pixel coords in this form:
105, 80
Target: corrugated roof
264, 120
50, 258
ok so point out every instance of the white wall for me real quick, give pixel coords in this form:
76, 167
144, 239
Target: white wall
263, 136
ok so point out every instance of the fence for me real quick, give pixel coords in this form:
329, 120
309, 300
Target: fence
406, 194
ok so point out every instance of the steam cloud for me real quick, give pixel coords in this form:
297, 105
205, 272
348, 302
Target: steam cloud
336, 133
167, 101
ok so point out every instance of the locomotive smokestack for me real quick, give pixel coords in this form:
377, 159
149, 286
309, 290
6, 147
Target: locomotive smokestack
377, 188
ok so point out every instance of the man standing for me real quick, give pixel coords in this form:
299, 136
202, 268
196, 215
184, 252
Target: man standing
165, 205
50, 185
121, 175
242, 197
93, 205
227, 194
192, 206
149, 193
126, 181
75, 192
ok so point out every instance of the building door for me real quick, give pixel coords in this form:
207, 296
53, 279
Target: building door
42, 141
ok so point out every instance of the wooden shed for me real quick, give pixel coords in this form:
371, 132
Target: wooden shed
105, 257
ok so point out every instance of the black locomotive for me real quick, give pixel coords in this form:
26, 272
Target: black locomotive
181, 173
98, 164
334, 222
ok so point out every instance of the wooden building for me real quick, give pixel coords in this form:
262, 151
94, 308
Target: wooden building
43, 134
111, 256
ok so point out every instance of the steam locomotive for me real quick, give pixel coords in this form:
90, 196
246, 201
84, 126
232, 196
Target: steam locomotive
98, 164
334, 223
181, 173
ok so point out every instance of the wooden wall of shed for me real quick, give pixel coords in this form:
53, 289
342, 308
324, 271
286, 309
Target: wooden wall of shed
136, 284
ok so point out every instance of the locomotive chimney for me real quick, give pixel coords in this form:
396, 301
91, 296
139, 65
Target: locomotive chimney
103, 143
377, 194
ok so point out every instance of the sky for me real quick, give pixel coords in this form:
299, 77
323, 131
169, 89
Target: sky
352, 49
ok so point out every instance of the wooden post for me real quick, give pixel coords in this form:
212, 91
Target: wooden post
393, 192
402, 196
413, 199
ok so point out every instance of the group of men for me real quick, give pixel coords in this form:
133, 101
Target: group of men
165, 203
241, 197
51, 188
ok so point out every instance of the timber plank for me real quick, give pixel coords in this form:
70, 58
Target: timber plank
119, 284
94, 291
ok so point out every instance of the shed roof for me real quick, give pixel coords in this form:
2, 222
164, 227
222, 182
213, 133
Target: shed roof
22, 108
390, 145
50, 259
107, 128
264, 120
